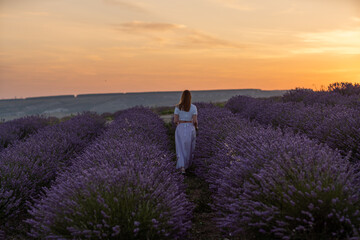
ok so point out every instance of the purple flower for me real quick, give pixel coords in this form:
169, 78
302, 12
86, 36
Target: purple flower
129, 162
28, 166
259, 174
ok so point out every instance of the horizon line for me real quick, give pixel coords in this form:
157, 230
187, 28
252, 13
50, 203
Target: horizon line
76, 95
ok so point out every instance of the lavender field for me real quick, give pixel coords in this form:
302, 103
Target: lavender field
265, 168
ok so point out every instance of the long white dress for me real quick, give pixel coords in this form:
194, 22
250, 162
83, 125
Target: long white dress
185, 137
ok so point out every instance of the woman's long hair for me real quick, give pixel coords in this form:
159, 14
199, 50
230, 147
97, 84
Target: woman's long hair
185, 101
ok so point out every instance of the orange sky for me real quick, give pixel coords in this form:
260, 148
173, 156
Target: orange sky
55, 47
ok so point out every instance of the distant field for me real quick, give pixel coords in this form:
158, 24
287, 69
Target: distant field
60, 106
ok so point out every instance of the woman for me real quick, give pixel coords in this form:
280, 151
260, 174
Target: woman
185, 118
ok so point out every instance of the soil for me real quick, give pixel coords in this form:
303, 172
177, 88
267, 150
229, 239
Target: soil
198, 192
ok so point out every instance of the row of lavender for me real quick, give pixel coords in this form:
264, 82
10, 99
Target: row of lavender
343, 93
26, 167
124, 186
19, 129
338, 126
268, 184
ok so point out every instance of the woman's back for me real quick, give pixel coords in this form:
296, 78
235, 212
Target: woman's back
186, 116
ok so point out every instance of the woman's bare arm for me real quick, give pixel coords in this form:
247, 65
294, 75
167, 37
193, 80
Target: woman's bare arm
176, 119
195, 121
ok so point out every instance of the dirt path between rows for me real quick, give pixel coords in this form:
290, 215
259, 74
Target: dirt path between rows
198, 192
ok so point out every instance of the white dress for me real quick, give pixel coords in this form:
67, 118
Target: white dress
185, 137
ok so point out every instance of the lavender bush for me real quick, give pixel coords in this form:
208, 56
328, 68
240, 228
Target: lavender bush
28, 166
310, 97
338, 126
274, 184
144, 124
124, 186
215, 125
345, 88
271, 185
21, 128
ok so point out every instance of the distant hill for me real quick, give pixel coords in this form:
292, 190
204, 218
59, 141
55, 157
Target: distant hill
60, 106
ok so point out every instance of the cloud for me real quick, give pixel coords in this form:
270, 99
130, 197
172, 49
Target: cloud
354, 3
335, 36
139, 27
340, 41
128, 5
173, 35
197, 39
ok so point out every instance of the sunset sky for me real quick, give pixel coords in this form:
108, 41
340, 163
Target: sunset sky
55, 47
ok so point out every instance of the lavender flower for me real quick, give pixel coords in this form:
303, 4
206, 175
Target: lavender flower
125, 179
19, 129
338, 126
28, 166
271, 183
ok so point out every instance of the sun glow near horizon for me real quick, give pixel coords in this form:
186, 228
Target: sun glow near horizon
72, 47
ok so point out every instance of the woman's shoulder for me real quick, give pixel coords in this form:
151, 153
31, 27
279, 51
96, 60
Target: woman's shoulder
177, 109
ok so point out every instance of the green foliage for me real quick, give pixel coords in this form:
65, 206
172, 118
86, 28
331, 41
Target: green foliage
220, 104
123, 207
63, 119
